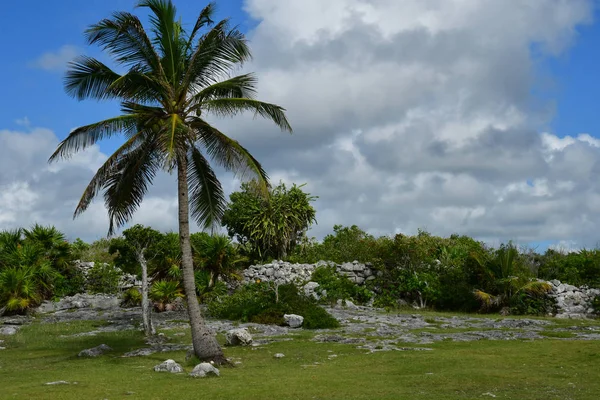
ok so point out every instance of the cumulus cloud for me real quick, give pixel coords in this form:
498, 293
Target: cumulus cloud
407, 114
56, 61
32, 191
419, 114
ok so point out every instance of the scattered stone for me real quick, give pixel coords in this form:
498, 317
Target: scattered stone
57, 383
488, 394
347, 304
279, 355
204, 369
95, 351
282, 272
572, 301
169, 366
238, 337
293, 320
8, 330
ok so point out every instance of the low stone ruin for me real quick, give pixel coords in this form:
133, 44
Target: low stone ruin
282, 272
573, 301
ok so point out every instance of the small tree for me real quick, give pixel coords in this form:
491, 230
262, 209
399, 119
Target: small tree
270, 225
142, 244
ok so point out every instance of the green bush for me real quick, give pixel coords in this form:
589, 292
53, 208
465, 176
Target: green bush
164, 292
530, 304
132, 297
339, 287
265, 303
596, 304
103, 278
69, 283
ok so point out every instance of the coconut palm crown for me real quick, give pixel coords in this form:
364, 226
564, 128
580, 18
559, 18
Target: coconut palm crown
175, 77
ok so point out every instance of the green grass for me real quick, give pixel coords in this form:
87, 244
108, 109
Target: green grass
548, 369
558, 334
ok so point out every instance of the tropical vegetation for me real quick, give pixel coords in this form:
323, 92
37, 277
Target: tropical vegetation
174, 78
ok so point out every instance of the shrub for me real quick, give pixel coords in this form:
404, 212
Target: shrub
265, 303
131, 298
204, 289
164, 292
103, 278
339, 287
596, 304
69, 283
531, 304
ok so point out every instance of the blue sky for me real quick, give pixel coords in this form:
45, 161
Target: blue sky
448, 115
39, 27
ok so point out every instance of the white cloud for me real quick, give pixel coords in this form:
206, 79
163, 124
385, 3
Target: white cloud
56, 60
407, 114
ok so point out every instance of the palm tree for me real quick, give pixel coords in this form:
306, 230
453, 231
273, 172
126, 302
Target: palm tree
216, 255
174, 78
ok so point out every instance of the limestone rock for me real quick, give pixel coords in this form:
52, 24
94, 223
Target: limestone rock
95, 351
293, 320
204, 369
8, 330
169, 366
238, 337
279, 355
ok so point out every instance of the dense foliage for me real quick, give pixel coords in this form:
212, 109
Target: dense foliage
35, 265
269, 225
266, 303
452, 273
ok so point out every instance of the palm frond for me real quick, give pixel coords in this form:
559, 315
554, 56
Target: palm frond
128, 183
242, 86
229, 153
167, 36
104, 173
125, 39
537, 288
204, 19
88, 135
232, 107
487, 300
217, 53
207, 199
89, 78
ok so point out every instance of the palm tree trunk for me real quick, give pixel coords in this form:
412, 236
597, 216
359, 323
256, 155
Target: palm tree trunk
146, 313
204, 341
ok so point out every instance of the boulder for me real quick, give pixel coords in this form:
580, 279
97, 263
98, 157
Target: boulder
293, 320
238, 337
204, 369
279, 355
8, 330
169, 366
95, 351
309, 290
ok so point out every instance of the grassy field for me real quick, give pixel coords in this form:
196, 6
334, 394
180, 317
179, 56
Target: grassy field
548, 369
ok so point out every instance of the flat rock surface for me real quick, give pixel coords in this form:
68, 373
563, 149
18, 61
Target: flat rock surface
367, 328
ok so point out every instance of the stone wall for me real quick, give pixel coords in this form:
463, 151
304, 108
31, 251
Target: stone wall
573, 301
126, 281
282, 272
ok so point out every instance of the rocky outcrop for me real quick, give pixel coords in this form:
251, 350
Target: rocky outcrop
282, 272
573, 301
204, 369
293, 320
169, 366
95, 351
82, 300
238, 337
126, 281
